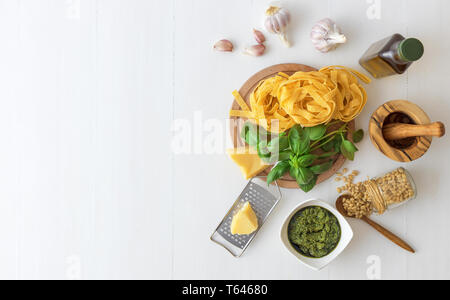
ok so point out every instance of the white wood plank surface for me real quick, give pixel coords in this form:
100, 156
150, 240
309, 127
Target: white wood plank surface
89, 92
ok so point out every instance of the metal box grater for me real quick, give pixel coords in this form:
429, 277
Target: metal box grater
263, 199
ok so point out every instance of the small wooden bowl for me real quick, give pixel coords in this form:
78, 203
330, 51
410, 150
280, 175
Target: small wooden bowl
418, 146
236, 127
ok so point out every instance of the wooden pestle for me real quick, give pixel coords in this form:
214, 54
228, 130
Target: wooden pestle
399, 131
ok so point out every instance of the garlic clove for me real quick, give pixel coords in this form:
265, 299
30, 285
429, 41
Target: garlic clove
223, 46
282, 20
256, 50
323, 46
259, 36
276, 25
287, 16
269, 27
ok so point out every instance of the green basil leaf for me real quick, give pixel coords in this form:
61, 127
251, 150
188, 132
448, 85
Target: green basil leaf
348, 149
305, 144
304, 176
295, 135
309, 186
322, 168
249, 134
348, 155
299, 140
306, 160
276, 157
285, 155
294, 172
263, 152
271, 159
317, 132
284, 143
358, 136
328, 146
245, 129
337, 143
278, 144
350, 146
327, 155
273, 145
253, 134
278, 171
294, 161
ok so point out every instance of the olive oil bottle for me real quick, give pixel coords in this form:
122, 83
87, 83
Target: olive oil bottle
391, 56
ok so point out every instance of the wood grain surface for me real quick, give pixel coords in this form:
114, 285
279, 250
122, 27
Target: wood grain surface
397, 131
418, 148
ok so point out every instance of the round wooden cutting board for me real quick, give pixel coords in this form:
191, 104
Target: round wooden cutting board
235, 128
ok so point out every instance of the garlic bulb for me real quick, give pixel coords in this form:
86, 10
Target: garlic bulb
223, 46
327, 36
277, 20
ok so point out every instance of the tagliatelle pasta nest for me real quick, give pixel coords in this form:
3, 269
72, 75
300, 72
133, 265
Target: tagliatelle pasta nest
308, 97
305, 98
265, 107
351, 97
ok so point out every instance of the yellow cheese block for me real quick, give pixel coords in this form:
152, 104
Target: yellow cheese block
248, 160
245, 221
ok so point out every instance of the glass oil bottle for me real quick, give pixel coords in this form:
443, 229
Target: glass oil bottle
392, 55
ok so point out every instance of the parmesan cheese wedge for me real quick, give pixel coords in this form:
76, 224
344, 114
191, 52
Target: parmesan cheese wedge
245, 221
248, 160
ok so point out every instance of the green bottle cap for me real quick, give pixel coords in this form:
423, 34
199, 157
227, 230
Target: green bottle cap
411, 49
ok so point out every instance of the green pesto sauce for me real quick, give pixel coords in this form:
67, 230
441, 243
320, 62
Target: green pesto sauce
314, 232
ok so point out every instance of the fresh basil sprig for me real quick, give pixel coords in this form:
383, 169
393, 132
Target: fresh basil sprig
293, 152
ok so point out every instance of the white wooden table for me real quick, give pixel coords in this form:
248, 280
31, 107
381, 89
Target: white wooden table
89, 185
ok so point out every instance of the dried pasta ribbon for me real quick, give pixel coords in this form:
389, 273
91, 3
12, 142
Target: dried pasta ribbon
241, 101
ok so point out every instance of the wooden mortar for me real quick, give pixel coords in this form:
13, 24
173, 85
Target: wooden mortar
401, 130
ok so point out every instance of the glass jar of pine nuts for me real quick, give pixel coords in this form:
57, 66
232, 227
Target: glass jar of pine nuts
379, 194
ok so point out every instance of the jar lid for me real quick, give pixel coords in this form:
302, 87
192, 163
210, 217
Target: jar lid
411, 49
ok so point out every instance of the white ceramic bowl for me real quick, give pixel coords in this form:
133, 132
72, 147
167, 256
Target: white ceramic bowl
318, 263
